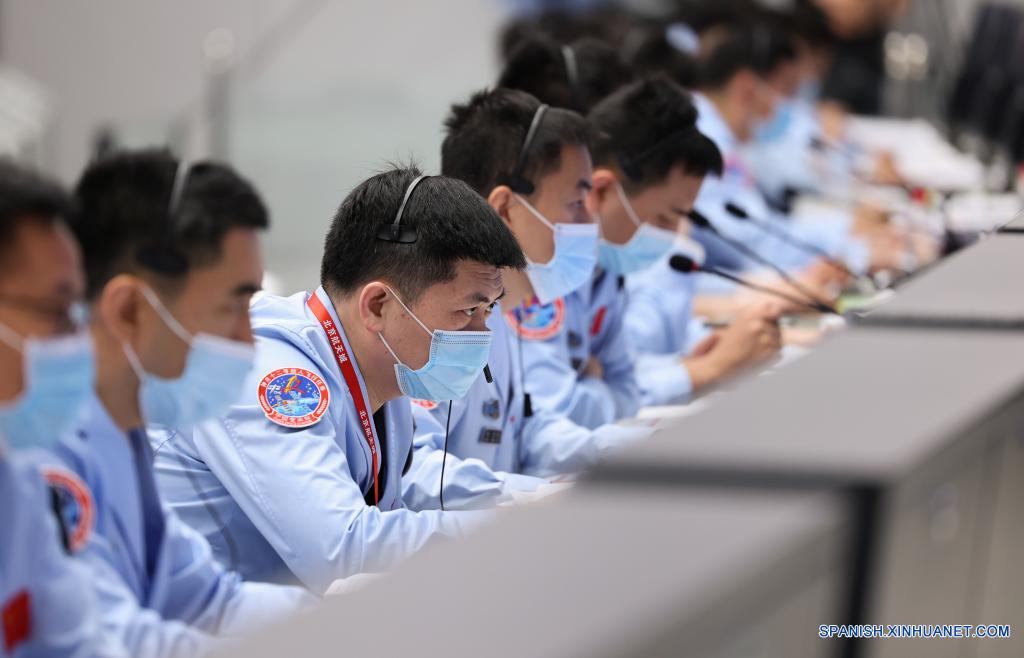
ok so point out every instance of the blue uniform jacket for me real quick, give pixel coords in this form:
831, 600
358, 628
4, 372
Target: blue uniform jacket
47, 605
493, 447
661, 328
559, 338
290, 502
161, 592
739, 186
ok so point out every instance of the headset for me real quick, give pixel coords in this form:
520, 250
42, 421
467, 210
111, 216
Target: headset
161, 254
395, 232
632, 165
572, 73
515, 180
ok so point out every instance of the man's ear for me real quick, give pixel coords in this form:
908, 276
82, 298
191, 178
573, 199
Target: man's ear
371, 302
120, 306
603, 182
501, 200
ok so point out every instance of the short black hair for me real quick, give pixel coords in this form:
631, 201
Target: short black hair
727, 50
485, 137
606, 23
125, 222
647, 128
28, 196
808, 22
451, 223
654, 53
539, 66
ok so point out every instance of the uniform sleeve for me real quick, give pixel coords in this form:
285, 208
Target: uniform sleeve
468, 483
208, 597
295, 486
554, 445
142, 630
663, 379
648, 324
65, 611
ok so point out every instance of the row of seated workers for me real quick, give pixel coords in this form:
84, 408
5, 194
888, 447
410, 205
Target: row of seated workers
185, 459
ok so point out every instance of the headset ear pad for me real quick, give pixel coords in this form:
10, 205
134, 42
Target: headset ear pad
400, 234
517, 183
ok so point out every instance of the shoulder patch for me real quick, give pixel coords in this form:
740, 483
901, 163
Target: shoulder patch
538, 322
77, 507
293, 397
429, 405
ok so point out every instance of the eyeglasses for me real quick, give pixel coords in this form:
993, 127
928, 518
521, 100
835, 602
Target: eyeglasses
65, 317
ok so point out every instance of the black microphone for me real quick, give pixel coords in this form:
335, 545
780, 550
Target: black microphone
487, 373
703, 223
790, 239
685, 265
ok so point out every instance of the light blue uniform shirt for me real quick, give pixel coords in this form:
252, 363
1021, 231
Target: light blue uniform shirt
788, 160
738, 185
493, 448
161, 591
284, 503
662, 330
47, 605
559, 338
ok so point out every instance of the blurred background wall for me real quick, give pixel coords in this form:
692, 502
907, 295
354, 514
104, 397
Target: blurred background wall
319, 93
307, 97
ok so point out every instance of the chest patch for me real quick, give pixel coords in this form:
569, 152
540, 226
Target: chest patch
293, 397
429, 405
490, 436
491, 409
538, 322
77, 507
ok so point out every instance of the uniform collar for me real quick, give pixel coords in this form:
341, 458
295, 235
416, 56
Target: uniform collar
323, 346
713, 125
105, 438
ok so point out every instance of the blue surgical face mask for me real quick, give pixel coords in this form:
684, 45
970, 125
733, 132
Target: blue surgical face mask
809, 90
573, 262
776, 126
456, 360
647, 246
215, 371
59, 374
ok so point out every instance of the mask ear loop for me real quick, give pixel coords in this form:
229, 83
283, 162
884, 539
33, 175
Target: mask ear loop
10, 338
627, 206
411, 314
165, 315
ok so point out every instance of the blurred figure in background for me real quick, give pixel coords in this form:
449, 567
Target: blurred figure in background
172, 258
47, 600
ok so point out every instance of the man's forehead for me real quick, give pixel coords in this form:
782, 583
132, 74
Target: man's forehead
474, 281
43, 260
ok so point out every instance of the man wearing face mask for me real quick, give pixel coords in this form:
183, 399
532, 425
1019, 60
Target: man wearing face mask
302, 478
650, 163
736, 64
532, 163
47, 604
172, 257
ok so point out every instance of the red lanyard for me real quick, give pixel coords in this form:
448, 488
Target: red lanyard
351, 380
